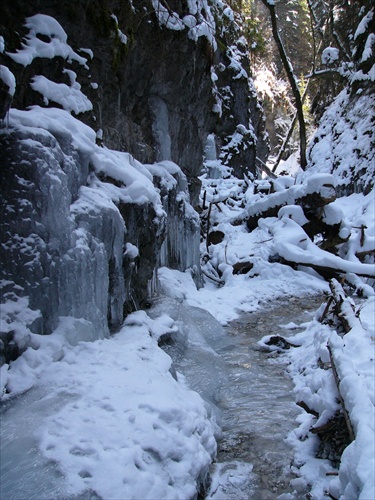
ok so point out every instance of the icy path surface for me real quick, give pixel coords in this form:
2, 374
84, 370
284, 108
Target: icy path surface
106, 420
251, 391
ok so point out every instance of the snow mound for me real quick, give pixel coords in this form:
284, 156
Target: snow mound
124, 427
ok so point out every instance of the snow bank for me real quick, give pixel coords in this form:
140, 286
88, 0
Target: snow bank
357, 376
315, 386
124, 428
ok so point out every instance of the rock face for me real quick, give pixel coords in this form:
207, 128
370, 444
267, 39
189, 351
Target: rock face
151, 87
81, 239
80, 243
240, 124
66, 265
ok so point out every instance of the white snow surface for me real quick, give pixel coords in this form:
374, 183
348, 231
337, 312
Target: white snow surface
34, 47
135, 180
8, 78
354, 359
69, 97
125, 427
344, 143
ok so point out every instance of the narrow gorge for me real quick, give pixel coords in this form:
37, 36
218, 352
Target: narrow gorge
142, 224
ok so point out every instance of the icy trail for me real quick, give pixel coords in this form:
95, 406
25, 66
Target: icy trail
251, 391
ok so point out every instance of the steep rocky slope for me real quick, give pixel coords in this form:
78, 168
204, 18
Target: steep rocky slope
344, 143
85, 226
152, 84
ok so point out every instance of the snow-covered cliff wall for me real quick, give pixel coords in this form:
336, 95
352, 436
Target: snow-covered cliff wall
157, 78
83, 226
344, 143
85, 223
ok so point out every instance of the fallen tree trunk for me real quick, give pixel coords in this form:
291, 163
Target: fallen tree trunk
327, 272
344, 410
312, 204
312, 198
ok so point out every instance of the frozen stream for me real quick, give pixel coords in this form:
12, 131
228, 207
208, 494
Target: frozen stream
247, 391
251, 391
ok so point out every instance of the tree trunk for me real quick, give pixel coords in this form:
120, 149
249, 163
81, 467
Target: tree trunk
292, 80
289, 133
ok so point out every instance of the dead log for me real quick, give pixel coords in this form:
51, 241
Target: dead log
333, 438
204, 200
216, 280
327, 272
326, 309
345, 312
312, 204
361, 255
322, 429
344, 410
264, 168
